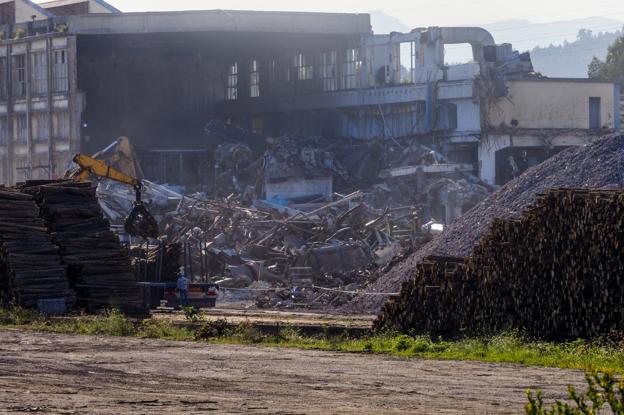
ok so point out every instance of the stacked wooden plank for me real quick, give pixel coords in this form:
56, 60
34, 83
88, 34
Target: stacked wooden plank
98, 265
31, 267
556, 272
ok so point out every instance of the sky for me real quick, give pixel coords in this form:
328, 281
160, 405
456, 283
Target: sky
413, 13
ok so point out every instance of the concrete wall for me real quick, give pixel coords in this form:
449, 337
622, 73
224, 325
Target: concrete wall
25, 10
493, 143
552, 104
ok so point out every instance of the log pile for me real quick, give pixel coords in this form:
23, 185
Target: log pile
556, 272
98, 265
30, 264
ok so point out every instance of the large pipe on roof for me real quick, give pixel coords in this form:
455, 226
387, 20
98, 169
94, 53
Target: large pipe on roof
477, 38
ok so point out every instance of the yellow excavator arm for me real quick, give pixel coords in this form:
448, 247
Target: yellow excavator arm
140, 222
89, 166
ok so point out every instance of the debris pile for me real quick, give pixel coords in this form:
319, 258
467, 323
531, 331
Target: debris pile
555, 272
31, 267
595, 166
98, 265
288, 211
156, 263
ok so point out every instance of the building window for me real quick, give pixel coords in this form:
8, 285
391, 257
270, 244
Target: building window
39, 67
254, 79
3, 76
304, 67
256, 125
60, 125
328, 71
4, 131
232, 82
40, 127
351, 69
408, 58
60, 79
20, 131
19, 75
273, 70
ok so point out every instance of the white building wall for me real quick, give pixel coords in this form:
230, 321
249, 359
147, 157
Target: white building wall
551, 104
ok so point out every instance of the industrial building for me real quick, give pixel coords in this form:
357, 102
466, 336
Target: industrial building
76, 74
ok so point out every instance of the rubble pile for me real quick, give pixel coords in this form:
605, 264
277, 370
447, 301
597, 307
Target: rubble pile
555, 272
297, 211
98, 265
30, 265
597, 165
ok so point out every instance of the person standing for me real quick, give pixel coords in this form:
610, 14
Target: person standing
183, 286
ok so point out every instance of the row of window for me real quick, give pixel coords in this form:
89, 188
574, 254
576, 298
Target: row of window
303, 68
39, 126
38, 72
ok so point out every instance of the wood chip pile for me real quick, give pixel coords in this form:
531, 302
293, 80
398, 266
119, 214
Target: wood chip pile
597, 165
30, 264
98, 265
556, 272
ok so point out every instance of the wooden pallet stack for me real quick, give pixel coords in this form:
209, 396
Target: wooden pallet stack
30, 265
98, 265
556, 272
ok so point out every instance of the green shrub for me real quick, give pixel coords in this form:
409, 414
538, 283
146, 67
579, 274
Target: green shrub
403, 342
192, 313
210, 329
605, 390
156, 329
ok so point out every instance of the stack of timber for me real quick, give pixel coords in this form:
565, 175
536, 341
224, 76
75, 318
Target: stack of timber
98, 265
30, 264
556, 272
598, 165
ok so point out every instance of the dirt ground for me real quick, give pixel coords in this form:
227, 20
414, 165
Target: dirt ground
293, 318
62, 374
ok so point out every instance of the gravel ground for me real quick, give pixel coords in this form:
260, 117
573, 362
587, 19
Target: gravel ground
63, 374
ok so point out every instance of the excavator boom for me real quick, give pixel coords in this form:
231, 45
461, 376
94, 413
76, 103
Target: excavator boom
140, 222
89, 166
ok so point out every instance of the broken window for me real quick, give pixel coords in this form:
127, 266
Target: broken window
458, 54
351, 69
408, 58
7, 13
4, 131
60, 125
60, 80
39, 68
19, 75
328, 71
3, 76
304, 67
40, 127
254, 79
20, 132
232, 82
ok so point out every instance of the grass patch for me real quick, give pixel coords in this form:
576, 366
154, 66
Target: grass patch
506, 347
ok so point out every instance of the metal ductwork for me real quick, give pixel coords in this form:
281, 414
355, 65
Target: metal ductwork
475, 36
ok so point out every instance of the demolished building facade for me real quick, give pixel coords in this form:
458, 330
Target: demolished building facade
79, 74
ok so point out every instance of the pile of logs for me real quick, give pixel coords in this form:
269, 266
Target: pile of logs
98, 265
30, 264
556, 272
